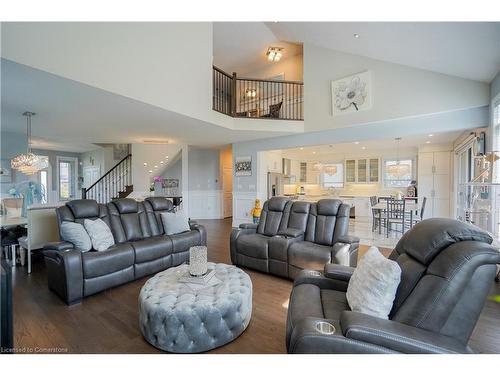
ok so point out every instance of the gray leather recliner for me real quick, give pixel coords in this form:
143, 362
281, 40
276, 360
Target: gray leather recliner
141, 247
292, 236
447, 270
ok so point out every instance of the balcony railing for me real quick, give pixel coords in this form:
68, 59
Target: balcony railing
257, 98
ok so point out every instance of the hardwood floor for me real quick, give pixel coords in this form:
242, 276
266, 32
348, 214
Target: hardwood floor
108, 321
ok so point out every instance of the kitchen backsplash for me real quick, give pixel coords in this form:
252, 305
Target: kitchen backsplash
349, 189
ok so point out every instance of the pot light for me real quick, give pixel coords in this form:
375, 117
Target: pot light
145, 164
156, 166
428, 142
150, 171
363, 148
356, 143
356, 36
431, 135
302, 148
161, 162
274, 54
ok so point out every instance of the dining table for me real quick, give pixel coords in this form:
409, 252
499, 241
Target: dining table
411, 207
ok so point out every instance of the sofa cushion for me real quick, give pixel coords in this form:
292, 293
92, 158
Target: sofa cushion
76, 234
126, 205
308, 255
254, 245
373, 284
174, 222
116, 258
160, 203
99, 233
152, 248
183, 241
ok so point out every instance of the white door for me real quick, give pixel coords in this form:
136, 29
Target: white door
91, 175
227, 187
426, 181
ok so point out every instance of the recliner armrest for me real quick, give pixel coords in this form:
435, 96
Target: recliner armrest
321, 281
291, 233
249, 226
348, 239
59, 246
338, 272
397, 336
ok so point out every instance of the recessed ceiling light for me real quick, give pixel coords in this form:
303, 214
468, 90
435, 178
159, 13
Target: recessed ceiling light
363, 148
356, 36
145, 164
156, 166
150, 171
314, 152
356, 143
428, 142
431, 135
302, 148
161, 162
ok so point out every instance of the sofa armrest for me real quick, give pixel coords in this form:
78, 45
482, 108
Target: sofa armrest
64, 271
397, 336
320, 280
291, 233
338, 272
201, 229
348, 239
249, 226
305, 338
58, 246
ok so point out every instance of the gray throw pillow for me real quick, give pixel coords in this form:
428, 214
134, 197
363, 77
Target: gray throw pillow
100, 234
174, 222
76, 234
373, 284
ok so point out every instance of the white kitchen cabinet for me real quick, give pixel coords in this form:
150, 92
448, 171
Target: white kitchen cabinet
295, 169
434, 170
362, 170
312, 175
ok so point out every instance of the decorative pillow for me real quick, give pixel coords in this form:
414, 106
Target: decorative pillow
76, 234
174, 222
373, 284
100, 234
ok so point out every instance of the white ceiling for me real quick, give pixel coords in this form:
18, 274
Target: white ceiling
464, 49
74, 116
241, 46
375, 146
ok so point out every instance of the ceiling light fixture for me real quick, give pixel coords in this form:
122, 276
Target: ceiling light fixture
431, 135
274, 54
356, 36
356, 143
29, 163
427, 142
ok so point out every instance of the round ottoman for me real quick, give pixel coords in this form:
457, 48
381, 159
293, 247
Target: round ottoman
189, 318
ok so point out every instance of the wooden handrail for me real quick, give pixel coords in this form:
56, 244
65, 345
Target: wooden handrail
221, 71
270, 80
109, 172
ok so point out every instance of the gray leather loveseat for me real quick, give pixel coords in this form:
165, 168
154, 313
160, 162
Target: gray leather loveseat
294, 235
447, 271
141, 247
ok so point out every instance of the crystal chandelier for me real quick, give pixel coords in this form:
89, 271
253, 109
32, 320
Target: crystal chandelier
330, 169
398, 169
28, 163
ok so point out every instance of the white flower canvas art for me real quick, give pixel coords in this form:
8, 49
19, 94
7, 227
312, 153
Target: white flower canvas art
352, 94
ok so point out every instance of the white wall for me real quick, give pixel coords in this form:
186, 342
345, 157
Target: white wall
397, 91
166, 64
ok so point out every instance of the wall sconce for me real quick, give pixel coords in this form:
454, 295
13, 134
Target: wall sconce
250, 93
274, 54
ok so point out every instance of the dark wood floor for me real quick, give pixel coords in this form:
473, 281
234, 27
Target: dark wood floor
108, 321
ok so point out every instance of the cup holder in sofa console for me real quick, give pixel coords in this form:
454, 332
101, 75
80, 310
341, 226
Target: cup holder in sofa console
325, 328
315, 273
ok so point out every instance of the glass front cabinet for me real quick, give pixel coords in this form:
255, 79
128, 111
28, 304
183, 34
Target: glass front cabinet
362, 170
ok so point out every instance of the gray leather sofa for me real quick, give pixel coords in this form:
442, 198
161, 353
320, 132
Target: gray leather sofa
141, 247
292, 236
447, 271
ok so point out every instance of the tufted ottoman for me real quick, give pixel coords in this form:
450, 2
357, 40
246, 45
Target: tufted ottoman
186, 318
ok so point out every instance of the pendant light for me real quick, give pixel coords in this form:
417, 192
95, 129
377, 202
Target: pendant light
28, 163
398, 169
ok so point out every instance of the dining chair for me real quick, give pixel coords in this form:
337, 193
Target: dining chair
395, 214
376, 214
420, 216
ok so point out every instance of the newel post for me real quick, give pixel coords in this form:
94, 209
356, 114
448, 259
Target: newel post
233, 95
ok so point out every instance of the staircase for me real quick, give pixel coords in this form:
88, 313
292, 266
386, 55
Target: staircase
115, 184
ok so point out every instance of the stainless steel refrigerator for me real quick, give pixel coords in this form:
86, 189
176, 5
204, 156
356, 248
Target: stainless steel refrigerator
275, 182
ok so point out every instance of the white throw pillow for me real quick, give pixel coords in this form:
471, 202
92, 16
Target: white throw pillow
174, 222
373, 284
76, 234
100, 234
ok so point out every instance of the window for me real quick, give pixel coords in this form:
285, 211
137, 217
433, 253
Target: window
332, 175
398, 174
66, 178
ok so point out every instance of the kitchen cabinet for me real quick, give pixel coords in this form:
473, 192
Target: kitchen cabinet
295, 169
312, 175
434, 169
362, 170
